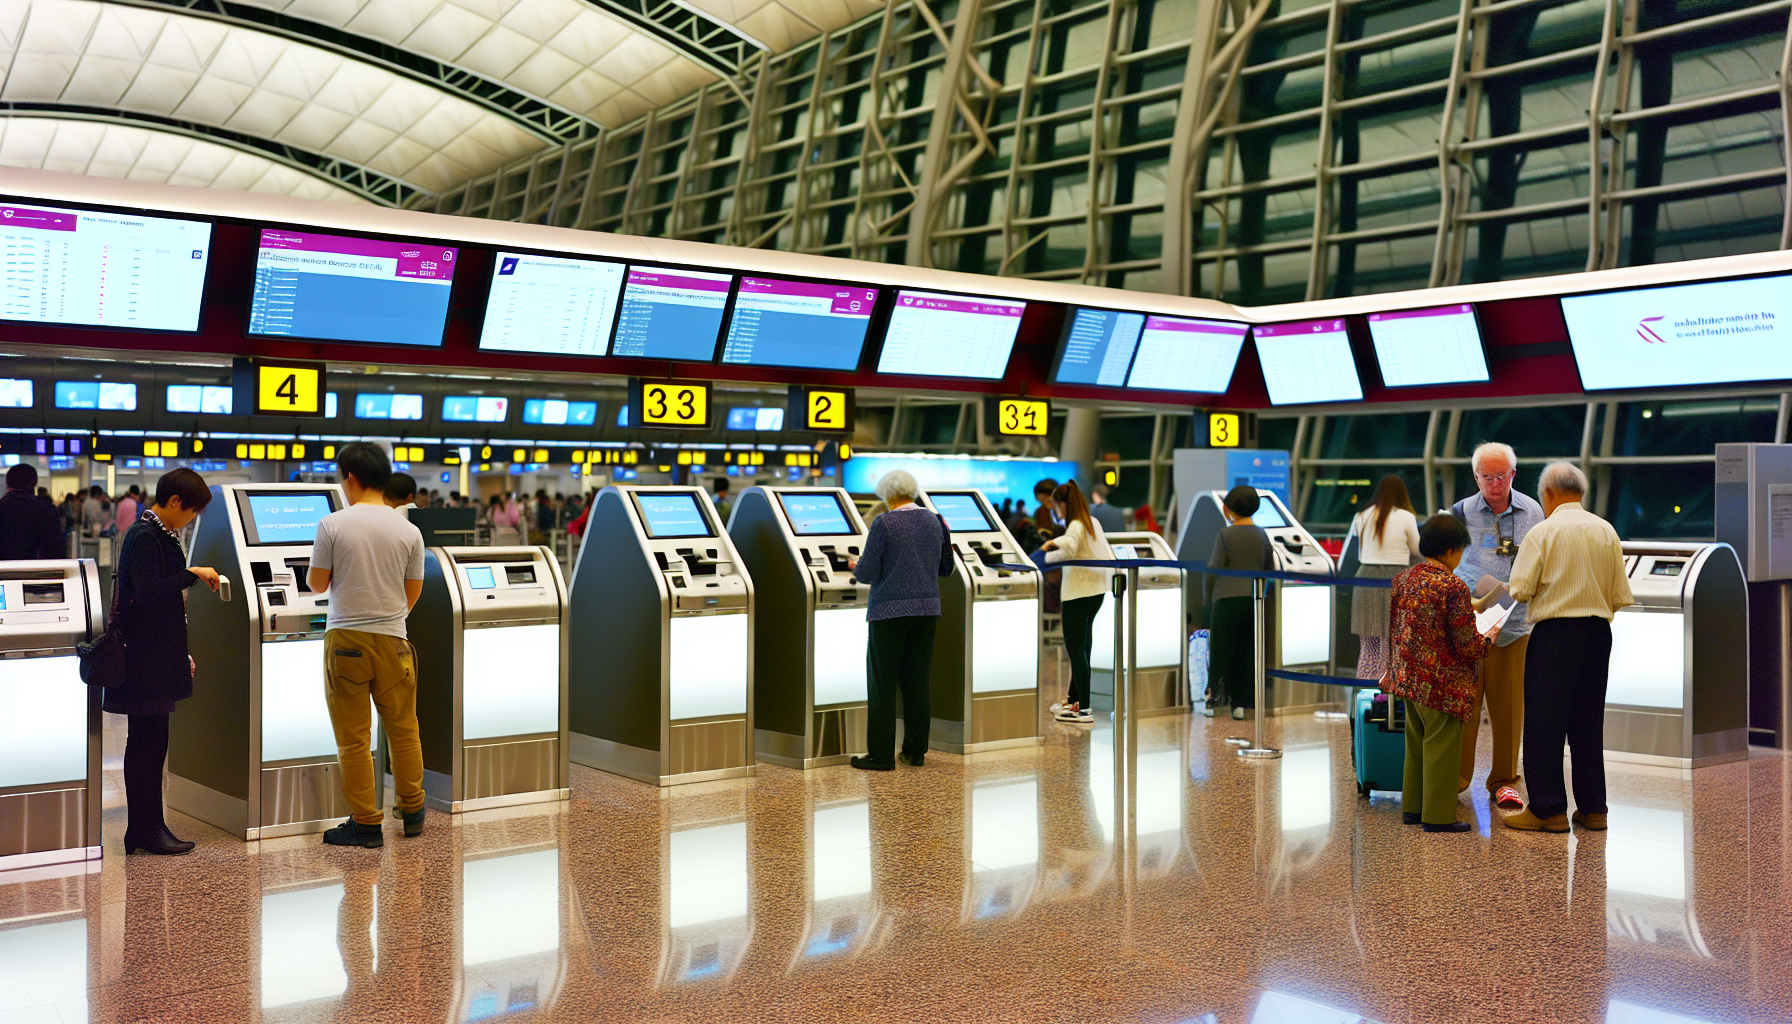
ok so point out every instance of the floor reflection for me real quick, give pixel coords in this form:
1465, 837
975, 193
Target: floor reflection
709, 922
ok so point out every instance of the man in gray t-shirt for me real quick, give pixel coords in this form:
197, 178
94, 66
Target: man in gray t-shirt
370, 559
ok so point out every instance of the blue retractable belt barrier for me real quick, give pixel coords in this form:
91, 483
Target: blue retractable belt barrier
1314, 677
1165, 563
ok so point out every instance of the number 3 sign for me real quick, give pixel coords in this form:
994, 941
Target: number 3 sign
668, 403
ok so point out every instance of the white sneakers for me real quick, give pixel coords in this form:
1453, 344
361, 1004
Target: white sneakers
1073, 714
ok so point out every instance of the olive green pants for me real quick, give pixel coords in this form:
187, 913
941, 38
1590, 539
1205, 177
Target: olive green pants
1433, 748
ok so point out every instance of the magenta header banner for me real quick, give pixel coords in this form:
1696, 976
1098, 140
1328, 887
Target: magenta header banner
1463, 310
677, 281
422, 261
960, 304
847, 301
1298, 327
1170, 323
42, 220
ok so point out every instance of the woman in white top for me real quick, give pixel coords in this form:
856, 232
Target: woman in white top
1082, 591
1387, 541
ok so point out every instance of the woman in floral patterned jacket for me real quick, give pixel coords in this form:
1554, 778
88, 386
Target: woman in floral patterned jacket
1435, 648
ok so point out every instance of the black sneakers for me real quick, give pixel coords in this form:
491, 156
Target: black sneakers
413, 820
912, 760
867, 765
353, 833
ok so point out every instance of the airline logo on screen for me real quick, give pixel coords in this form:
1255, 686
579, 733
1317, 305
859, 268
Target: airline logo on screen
1705, 326
509, 266
1647, 333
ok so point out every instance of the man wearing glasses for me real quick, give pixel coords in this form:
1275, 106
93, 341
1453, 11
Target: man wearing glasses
1498, 518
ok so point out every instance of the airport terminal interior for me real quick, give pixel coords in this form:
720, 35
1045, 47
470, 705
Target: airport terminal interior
649, 299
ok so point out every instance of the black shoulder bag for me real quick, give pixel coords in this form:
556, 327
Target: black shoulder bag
102, 658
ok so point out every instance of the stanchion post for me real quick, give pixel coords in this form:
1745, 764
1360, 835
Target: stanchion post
1258, 751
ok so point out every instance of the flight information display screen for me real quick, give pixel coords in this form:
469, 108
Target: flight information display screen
937, 335
1440, 345
748, 418
17, 393
287, 518
551, 304
1711, 332
209, 399
673, 515
340, 288
555, 412
388, 407
1178, 354
102, 269
815, 515
671, 314
475, 408
961, 512
96, 394
1307, 361
802, 324
1098, 347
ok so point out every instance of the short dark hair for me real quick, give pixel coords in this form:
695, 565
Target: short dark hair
1442, 534
1244, 501
400, 488
21, 477
186, 485
721, 484
1045, 487
96, 491
366, 462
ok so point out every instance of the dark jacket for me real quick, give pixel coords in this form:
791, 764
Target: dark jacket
907, 551
29, 528
152, 580
1239, 546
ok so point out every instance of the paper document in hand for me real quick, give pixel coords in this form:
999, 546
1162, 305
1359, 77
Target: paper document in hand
1495, 615
1486, 584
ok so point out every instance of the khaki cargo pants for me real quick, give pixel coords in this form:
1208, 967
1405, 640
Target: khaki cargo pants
359, 666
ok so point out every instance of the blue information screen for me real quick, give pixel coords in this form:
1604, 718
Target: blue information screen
287, 518
673, 515
339, 288
961, 512
96, 394
778, 322
481, 578
815, 515
388, 407
671, 314
555, 412
1098, 347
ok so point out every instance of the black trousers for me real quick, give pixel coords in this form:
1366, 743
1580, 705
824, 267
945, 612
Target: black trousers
1078, 616
1565, 671
899, 661
1232, 652
145, 754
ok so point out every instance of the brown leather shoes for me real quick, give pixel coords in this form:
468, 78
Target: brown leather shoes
1590, 822
1525, 821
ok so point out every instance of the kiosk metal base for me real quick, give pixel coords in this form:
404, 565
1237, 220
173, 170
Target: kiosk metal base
37, 820
296, 800
29, 867
1158, 691
839, 733
998, 721
641, 764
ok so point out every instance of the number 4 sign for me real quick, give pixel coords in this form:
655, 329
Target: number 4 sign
283, 387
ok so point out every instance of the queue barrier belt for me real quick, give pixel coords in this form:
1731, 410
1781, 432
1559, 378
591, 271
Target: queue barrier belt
1201, 567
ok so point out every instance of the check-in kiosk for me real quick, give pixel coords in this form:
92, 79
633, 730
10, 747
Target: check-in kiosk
809, 678
252, 751
50, 722
1678, 690
491, 677
1300, 613
986, 651
1162, 632
661, 642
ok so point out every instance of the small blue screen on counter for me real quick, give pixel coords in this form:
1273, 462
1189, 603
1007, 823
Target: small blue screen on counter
814, 515
673, 515
481, 578
961, 512
288, 518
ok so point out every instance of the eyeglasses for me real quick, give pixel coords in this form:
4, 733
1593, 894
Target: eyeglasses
1494, 478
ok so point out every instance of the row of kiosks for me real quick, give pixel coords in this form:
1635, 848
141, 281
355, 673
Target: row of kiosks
50, 731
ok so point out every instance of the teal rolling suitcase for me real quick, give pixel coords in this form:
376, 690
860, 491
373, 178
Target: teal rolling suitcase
1378, 729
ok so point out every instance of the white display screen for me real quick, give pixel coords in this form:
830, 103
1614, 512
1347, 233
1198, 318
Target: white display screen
1098, 347
1713, 332
1441, 345
95, 394
1177, 354
551, 304
17, 393
201, 398
1307, 361
102, 269
749, 418
557, 412
475, 409
936, 335
388, 407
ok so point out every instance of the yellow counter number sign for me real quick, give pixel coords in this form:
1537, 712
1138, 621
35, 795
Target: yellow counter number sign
673, 404
1222, 430
289, 389
827, 410
1022, 416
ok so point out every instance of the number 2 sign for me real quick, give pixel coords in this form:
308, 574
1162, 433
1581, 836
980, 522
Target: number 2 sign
821, 409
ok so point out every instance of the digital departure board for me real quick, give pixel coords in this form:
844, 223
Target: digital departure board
1440, 345
1307, 361
555, 305
673, 515
342, 288
815, 515
804, 324
383, 406
937, 335
207, 399
555, 412
748, 418
17, 393
475, 408
961, 512
1097, 347
1185, 354
286, 518
92, 269
96, 394
1709, 332
671, 314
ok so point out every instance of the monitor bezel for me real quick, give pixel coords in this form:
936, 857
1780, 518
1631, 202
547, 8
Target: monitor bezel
1653, 388
1362, 392
485, 301
889, 314
790, 522
262, 227
692, 495
1474, 312
879, 302
252, 536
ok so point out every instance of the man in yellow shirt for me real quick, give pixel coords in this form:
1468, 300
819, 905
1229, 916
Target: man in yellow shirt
1571, 570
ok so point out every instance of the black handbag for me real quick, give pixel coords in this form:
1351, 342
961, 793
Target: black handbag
102, 658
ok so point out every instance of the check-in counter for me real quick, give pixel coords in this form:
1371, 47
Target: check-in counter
1162, 632
985, 684
490, 635
1300, 614
1677, 693
661, 642
253, 751
49, 719
809, 679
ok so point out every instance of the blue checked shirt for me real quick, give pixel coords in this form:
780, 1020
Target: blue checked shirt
1482, 557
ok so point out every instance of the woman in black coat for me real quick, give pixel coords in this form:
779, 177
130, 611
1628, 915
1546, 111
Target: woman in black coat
149, 600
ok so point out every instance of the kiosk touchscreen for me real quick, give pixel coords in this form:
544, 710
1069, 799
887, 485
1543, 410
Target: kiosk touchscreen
253, 751
1161, 633
50, 728
986, 652
661, 642
1300, 613
491, 677
809, 682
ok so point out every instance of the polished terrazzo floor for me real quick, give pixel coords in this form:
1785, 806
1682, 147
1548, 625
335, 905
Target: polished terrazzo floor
989, 888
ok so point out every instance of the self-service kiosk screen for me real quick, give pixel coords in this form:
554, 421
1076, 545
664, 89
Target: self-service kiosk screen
815, 515
289, 518
673, 515
1268, 516
481, 578
962, 512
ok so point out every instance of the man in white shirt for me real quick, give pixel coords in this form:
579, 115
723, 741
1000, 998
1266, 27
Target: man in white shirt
371, 562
